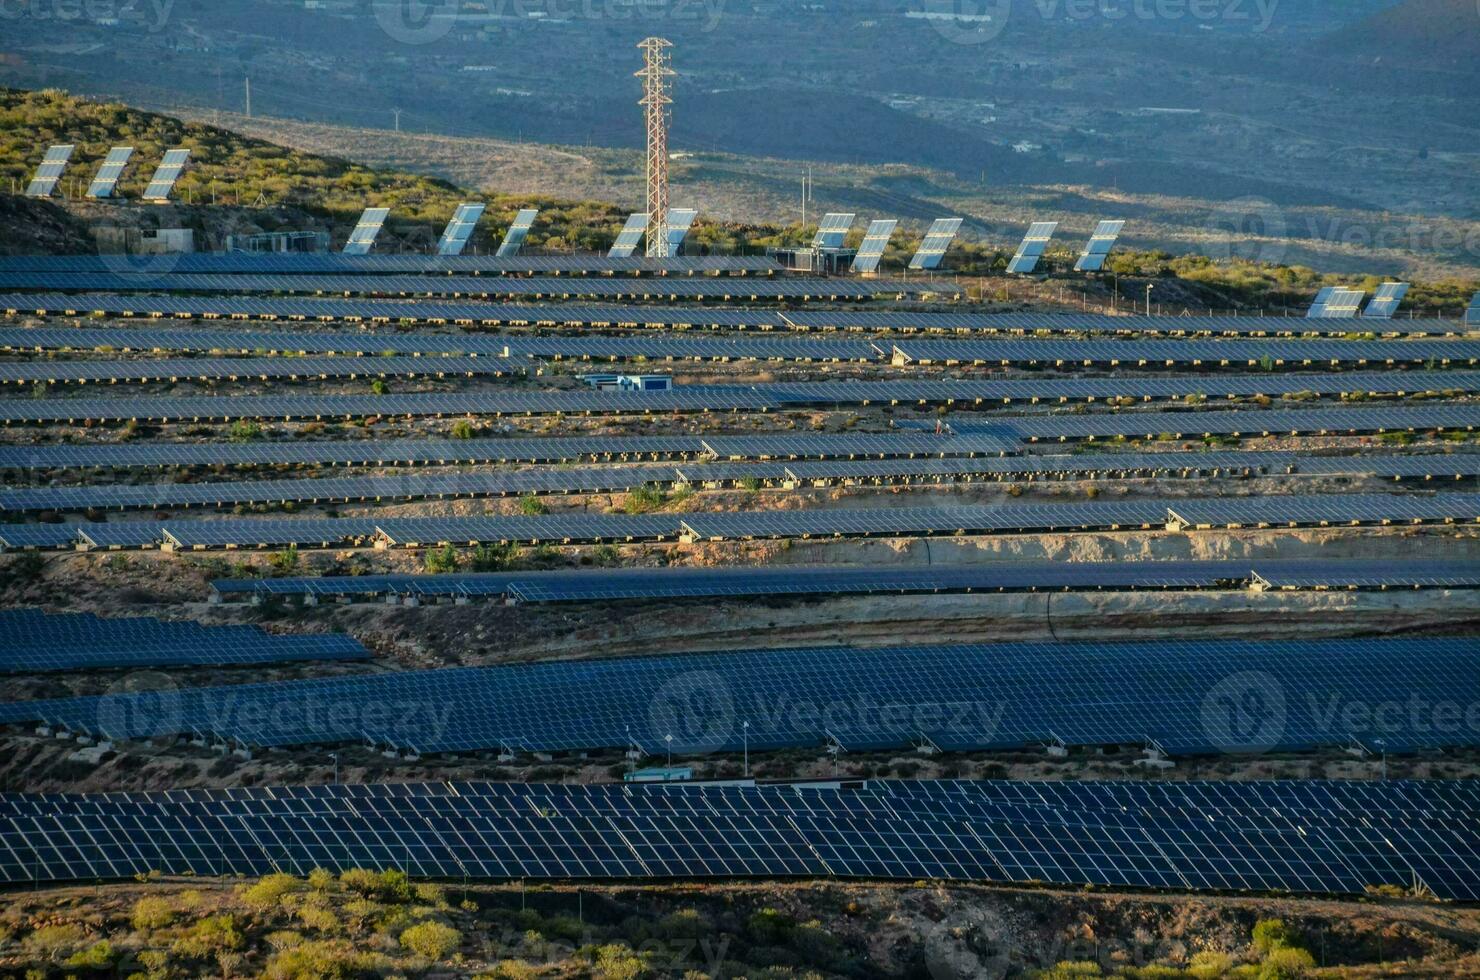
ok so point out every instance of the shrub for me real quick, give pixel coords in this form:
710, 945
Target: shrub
244, 430
1286, 963
377, 387
270, 891
320, 960
532, 506
320, 879
1069, 969
514, 970
98, 956
617, 962
494, 557
284, 561
433, 940
1272, 934
442, 561
51, 942
1210, 964
462, 429
642, 500
151, 913
213, 934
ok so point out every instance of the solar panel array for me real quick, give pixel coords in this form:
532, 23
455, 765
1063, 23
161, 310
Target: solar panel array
106, 182
37, 642
1294, 510
366, 230
811, 580
1295, 837
518, 231
875, 241
1097, 250
680, 220
1472, 315
1034, 243
1336, 303
53, 165
321, 263
247, 367
630, 236
1384, 302
938, 238
460, 229
832, 230
958, 698
166, 174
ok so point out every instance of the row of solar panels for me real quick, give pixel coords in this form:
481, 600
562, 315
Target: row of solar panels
856, 472
959, 698
614, 316
812, 580
320, 263
54, 164
1311, 837
728, 289
658, 347
1290, 511
37, 642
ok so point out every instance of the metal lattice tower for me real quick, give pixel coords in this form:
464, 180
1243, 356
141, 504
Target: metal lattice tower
656, 100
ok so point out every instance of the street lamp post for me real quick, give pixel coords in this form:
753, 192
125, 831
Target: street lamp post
1149, 287
745, 735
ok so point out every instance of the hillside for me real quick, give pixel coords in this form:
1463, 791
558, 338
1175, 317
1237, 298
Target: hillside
1441, 35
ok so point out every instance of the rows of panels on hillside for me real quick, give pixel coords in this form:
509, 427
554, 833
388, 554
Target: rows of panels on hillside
748, 582
37, 642
1269, 353
1289, 510
600, 315
246, 368
1308, 837
916, 471
394, 284
327, 263
966, 698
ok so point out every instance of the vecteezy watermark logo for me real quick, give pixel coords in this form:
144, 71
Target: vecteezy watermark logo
1248, 228
965, 21
1245, 712
416, 21
140, 705
152, 14
693, 712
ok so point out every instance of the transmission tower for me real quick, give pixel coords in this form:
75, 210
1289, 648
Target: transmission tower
656, 100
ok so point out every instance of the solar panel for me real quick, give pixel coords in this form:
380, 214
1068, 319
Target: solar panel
833, 230
630, 236
938, 238
106, 182
680, 220
165, 176
331, 263
875, 240
518, 231
1385, 301
53, 164
460, 229
1472, 315
366, 230
38, 642
1318, 305
1099, 246
1034, 243
1336, 303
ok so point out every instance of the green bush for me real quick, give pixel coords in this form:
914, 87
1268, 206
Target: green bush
270, 891
325, 960
1210, 964
1272, 934
1286, 963
432, 940
462, 429
53, 942
99, 956
151, 913
616, 961
532, 506
244, 430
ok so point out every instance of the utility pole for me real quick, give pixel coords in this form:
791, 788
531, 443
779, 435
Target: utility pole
249, 97
397, 113
655, 75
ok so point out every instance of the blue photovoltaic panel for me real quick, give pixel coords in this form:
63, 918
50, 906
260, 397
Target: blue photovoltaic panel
53, 164
680, 220
1033, 245
833, 230
1472, 315
630, 236
460, 229
1336, 303
36, 642
518, 231
1304, 837
366, 230
169, 170
937, 239
106, 181
1100, 244
1318, 305
1384, 302
871, 249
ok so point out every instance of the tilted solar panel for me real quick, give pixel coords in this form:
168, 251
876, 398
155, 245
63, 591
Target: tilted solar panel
875, 241
1033, 245
1385, 301
53, 165
1472, 315
938, 238
106, 182
518, 232
833, 230
1097, 250
162, 184
680, 220
630, 236
460, 229
366, 230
